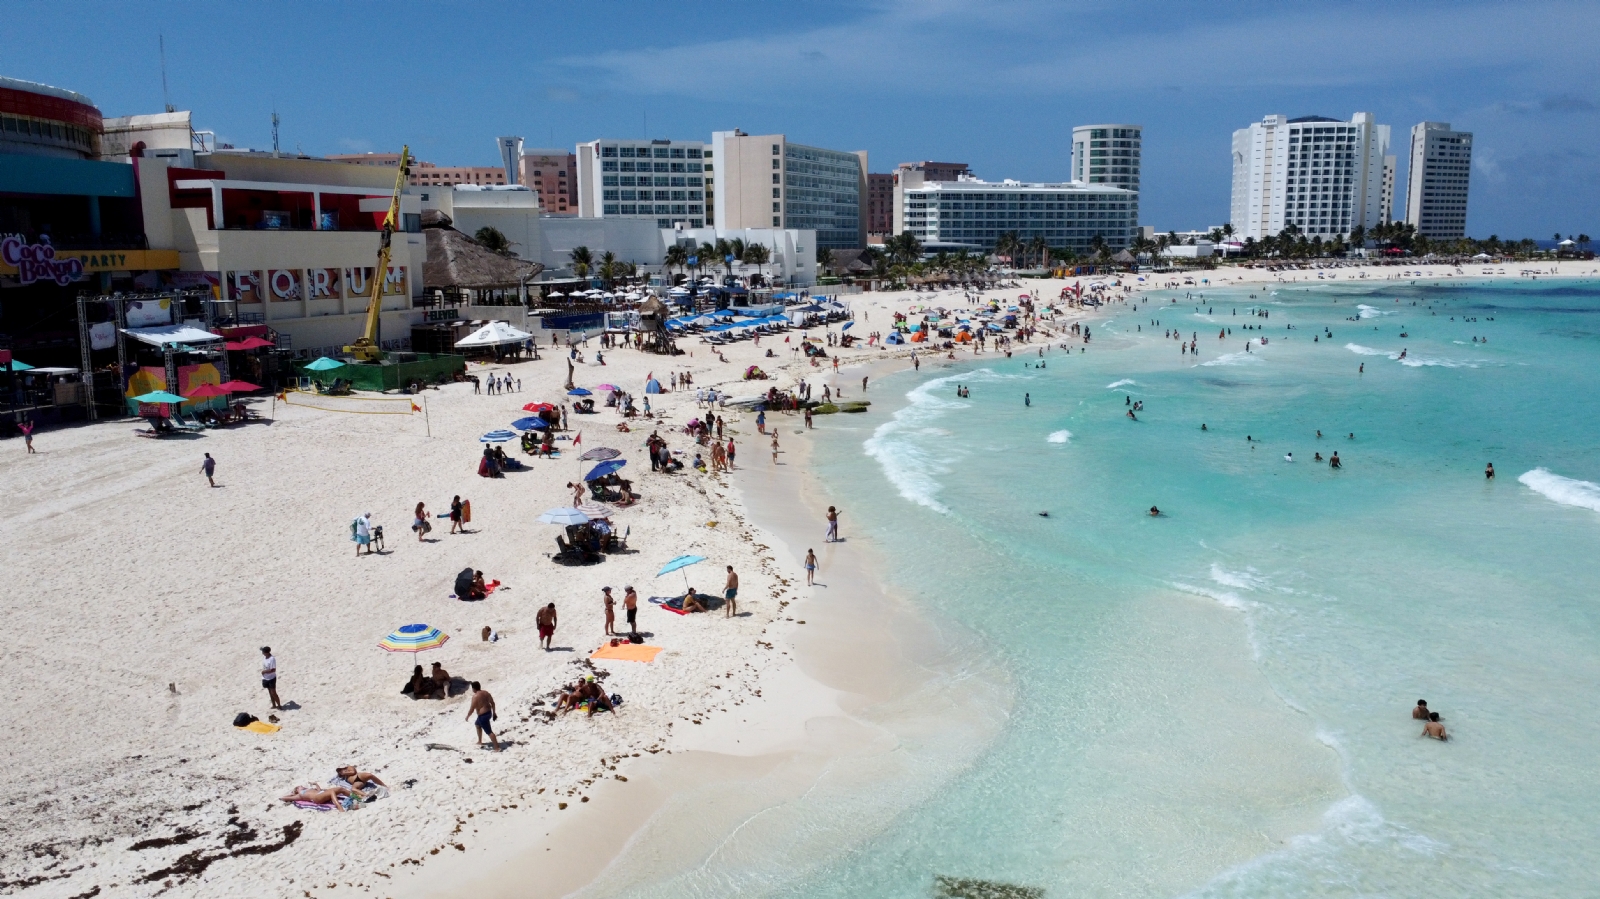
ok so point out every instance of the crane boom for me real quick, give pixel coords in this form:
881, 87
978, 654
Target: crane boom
366, 348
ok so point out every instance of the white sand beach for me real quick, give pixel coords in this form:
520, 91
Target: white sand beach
140, 597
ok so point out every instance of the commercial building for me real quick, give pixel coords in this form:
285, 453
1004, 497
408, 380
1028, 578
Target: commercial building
69, 221
1324, 176
426, 173
764, 180
659, 180
554, 174
1107, 154
973, 214
1436, 184
912, 172
880, 206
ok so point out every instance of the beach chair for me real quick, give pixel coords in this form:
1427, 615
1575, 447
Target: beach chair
179, 422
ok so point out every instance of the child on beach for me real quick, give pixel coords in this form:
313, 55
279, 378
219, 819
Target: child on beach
811, 568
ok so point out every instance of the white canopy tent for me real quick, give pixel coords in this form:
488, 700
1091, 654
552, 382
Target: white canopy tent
493, 334
160, 335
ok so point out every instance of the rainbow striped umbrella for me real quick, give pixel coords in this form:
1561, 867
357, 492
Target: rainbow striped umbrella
414, 638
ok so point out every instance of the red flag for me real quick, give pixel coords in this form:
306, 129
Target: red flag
578, 440
415, 407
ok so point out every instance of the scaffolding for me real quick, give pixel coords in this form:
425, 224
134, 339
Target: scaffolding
198, 307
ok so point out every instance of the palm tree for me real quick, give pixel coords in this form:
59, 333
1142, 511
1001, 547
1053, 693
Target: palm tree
707, 254
493, 240
1583, 241
757, 255
676, 256
724, 250
609, 268
582, 261
736, 249
1039, 248
824, 259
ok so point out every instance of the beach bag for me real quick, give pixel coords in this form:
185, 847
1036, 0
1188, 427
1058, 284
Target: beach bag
636, 638
616, 699
483, 467
243, 719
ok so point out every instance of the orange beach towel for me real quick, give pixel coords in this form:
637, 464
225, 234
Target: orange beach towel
628, 652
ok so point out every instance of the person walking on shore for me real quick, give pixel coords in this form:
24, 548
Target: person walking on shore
209, 469
833, 526
811, 568
731, 452
774, 447
483, 707
611, 612
456, 527
630, 608
27, 437
546, 621
419, 521
730, 592
269, 676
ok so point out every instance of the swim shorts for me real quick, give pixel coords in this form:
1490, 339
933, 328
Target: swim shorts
731, 592
632, 615
484, 722
546, 630
269, 682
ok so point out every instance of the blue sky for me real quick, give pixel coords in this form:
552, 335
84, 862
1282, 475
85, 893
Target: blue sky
995, 83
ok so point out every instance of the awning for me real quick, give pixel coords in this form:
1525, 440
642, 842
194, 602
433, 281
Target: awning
160, 335
493, 334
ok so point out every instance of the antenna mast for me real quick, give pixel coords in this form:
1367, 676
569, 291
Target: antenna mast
166, 98
274, 132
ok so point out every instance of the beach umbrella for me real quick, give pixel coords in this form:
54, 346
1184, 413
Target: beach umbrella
606, 388
19, 365
578, 391
597, 510
249, 343
531, 423
847, 326
500, 436
555, 293
652, 386
158, 396
563, 516
324, 364
600, 454
239, 386
414, 638
679, 564
538, 407
207, 391
605, 468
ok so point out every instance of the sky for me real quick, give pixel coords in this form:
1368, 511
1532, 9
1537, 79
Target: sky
998, 84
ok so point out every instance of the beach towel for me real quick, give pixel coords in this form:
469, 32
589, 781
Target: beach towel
261, 727
674, 604
628, 652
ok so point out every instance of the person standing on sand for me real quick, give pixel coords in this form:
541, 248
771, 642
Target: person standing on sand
27, 436
269, 676
730, 592
611, 612
209, 469
761, 422
630, 608
546, 620
811, 568
456, 527
863, 385
832, 536
731, 452
483, 707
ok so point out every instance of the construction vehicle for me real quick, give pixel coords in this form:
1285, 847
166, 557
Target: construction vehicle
366, 348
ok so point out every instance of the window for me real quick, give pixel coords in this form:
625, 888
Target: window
537, 173
677, 182
662, 167
627, 166
661, 181
677, 152
679, 195
663, 195
628, 181
677, 167
627, 152
608, 166
708, 166
661, 153
694, 209
695, 154
775, 222
678, 209
695, 182
774, 163
629, 195
775, 149
776, 207
775, 178
611, 209
608, 151
608, 181
629, 209
608, 195
694, 194
775, 193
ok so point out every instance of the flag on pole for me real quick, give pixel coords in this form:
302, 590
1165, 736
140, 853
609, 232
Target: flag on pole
415, 407
578, 440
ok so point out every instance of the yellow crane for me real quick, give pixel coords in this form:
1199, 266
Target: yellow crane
366, 348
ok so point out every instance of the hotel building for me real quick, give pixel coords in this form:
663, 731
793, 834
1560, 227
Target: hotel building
1436, 185
1322, 175
973, 214
554, 174
765, 181
659, 180
1107, 154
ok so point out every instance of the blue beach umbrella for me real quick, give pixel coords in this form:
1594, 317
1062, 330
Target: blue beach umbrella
678, 564
847, 326
500, 436
531, 423
605, 468
577, 391
324, 364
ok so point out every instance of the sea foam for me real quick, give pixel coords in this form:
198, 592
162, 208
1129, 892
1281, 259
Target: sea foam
1234, 359
1370, 311
1122, 383
1059, 437
1566, 491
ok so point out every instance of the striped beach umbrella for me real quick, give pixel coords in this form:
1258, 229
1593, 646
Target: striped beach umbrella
500, 436
414, 638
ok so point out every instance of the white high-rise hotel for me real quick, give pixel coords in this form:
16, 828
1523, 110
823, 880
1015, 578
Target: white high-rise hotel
1436, 186
1322, 175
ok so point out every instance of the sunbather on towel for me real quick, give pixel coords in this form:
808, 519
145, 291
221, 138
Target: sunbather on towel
587, 692
318, 795
358, 780
691, 602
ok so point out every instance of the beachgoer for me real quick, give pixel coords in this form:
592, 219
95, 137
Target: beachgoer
730, 590
731, 450
546, 621
1420, 713
362, 532
1488, 472
209, 468
483, 707
630, 608
1333, 461
1288, 457
27, 436
441, 680
1434, 729
811, 568
774, 446
761, 422
1027, 399
863, 385
358, 779
269, 676
1202, 426
1155, 512
832, 536
478, 590
611, 611
419, 521
455, 516
318, 795
691, 602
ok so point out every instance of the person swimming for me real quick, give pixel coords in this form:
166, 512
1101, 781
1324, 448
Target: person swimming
1155, 512
1288, 457
1202, 426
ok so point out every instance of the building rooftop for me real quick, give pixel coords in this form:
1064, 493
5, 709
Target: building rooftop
34, 87
1315, 118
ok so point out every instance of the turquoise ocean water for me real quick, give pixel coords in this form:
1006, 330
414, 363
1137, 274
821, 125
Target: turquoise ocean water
1216, 702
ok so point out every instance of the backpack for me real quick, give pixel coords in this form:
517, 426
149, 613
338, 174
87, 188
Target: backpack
243, 718
635, 638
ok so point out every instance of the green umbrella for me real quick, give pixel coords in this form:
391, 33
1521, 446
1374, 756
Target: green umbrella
159, 396
19, 365
324, 364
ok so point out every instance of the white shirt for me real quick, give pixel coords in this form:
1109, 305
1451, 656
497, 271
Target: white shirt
363, 526
269, 667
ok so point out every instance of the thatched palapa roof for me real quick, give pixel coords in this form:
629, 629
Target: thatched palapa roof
456, 260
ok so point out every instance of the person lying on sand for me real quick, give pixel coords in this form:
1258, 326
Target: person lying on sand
317, 794
588, 690
691, 602
360, 780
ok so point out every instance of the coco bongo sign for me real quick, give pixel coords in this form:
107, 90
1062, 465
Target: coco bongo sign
38, 262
